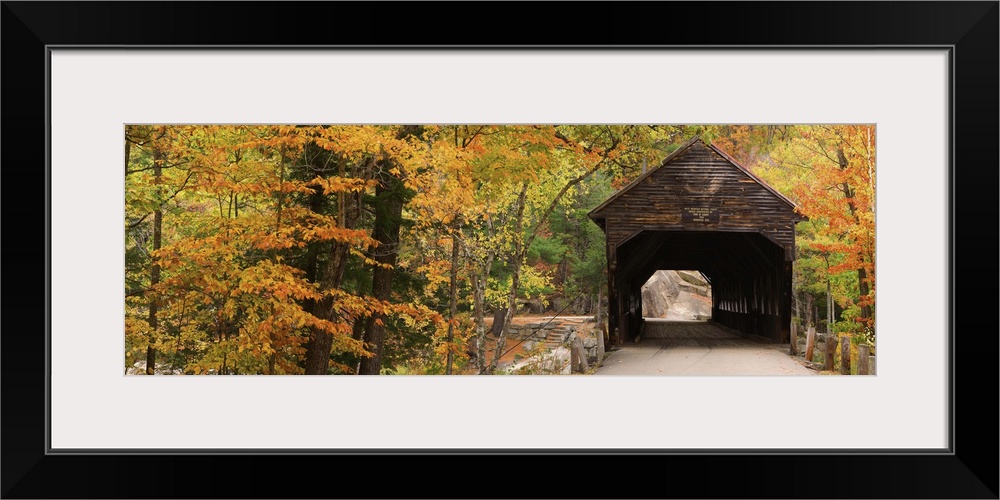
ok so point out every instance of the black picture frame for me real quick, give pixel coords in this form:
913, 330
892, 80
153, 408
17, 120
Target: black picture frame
970, 29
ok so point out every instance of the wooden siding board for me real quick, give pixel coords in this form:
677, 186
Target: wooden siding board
699, 175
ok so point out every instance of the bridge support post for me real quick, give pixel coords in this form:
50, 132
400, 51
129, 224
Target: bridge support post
845, 355
831, 350
810, 342
863, 360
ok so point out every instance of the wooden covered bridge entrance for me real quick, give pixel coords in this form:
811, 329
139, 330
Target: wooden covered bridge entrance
701, 210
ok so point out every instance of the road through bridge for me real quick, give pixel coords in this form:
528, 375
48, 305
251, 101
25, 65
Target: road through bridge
700, 348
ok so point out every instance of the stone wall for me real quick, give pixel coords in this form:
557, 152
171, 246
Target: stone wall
555, 336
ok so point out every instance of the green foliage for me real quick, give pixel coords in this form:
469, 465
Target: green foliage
533, 284
551, 251
415, 367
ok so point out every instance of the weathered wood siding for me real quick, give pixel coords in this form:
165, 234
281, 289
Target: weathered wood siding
699, 177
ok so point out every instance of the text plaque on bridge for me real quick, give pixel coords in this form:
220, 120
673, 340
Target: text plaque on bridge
700, 215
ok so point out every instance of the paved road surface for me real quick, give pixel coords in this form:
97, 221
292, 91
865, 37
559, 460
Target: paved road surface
699, 348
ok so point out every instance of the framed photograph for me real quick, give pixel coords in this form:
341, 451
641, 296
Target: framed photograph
923, 74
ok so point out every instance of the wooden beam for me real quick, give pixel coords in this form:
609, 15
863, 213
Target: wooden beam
767, 259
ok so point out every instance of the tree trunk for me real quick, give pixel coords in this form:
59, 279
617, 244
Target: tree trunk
390, 195
793, 345
845, 356
358, 333
277, 230
597, 306
863, 288
866, 310
128, 152
810, 317
797, 302
479, 302
499, 319
321, 342
515, 282
562, 271
517, 258
311, 264
453, 297
154, 274
830, 313
388, 212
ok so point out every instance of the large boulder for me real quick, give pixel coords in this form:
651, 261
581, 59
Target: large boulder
659, 293
557, 304
550, 362
534, 306
677, 295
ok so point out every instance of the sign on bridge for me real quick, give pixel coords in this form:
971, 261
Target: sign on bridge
704, 215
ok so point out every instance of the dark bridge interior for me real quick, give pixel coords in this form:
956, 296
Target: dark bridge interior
750, 279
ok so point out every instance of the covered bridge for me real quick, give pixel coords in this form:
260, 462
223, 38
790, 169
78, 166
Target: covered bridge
701, 210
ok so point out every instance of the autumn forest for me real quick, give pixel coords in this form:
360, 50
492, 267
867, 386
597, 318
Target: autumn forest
409, 249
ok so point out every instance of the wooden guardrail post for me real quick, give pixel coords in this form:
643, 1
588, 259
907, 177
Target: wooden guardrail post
863, 360
810, 342
845, 355
578, 355
831, 348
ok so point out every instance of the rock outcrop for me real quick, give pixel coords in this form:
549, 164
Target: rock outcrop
551, 362
139, 368
677, 295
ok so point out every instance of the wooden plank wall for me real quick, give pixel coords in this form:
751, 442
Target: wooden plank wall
754, 301
700, 177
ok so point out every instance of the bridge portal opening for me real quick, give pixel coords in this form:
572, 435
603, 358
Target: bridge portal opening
749, 278
677, 295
